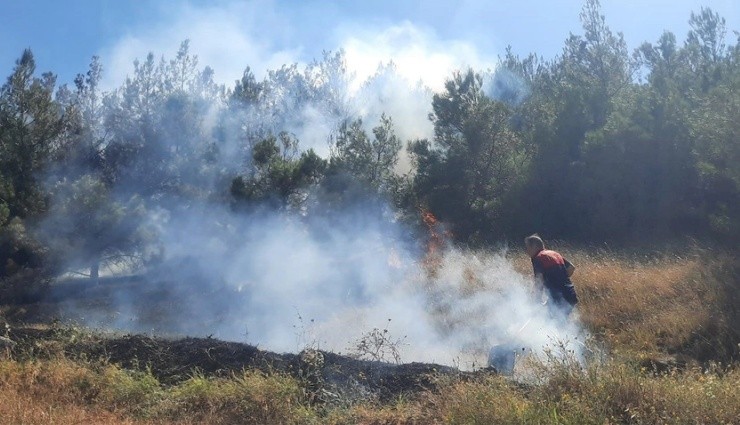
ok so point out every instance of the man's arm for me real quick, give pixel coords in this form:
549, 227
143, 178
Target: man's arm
569, 268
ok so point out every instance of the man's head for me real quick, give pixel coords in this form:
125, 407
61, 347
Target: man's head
533, 245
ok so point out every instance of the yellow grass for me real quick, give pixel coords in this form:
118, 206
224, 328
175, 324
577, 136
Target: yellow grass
53, 392
63, 392
657, 305
640, 308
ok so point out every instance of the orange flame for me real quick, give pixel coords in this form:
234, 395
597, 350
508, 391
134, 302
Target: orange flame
438, 239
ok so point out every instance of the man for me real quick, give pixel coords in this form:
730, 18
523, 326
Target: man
552, 274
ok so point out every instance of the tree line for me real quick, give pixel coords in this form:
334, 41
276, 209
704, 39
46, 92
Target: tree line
597, 144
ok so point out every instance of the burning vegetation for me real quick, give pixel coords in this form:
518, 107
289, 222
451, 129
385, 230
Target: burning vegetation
669, 359
276, 252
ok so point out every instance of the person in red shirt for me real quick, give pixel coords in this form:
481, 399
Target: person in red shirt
552, 274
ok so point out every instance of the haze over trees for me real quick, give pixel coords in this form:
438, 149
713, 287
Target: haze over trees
598, 144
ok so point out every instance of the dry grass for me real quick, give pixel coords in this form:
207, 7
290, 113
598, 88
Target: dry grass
54, 392
63, 392
641, 308
674, 305
616, 394
660, 304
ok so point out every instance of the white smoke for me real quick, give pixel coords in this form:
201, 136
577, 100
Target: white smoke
227, 36
284, 282
418, 55
392, 69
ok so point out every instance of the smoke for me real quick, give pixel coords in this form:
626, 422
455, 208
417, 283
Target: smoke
392, 68
418, 54
227, 36
284, 282
284, 279
505, 86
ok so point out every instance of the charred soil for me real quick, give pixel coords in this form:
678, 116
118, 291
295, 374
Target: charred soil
331, 376
328, 375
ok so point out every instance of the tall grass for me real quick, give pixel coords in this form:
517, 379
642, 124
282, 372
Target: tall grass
639, 307
616, 394
659, 304
63, 392
674, 305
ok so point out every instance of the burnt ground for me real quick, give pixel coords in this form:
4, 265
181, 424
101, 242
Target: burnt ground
327, 375
38, 332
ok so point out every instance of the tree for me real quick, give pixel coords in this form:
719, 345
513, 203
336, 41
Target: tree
572, 96
637, 174
247, 90
158, 145
477, 160
88, 227
136, 159
328, 81
31, 126
715, 128
182, 71
31, 123
279, 177
705, 49
85, 135
371, 161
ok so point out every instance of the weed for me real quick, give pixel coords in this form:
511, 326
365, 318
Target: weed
378, 345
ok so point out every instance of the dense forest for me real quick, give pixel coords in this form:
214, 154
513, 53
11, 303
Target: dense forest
597, 144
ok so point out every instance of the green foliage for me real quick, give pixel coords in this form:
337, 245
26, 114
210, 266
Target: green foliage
30, 125
137, 391
279, 175
154, 141
88, 227
5, 194
618, 158
251, 397
247, 90
370, 161
476, 161
716, 130
25, 267
596, 143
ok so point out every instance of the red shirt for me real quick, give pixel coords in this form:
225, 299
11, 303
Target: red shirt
553, 268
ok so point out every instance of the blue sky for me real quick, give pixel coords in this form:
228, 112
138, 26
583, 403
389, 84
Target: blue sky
424, 38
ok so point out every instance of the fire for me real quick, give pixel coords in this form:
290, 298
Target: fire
438, 239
